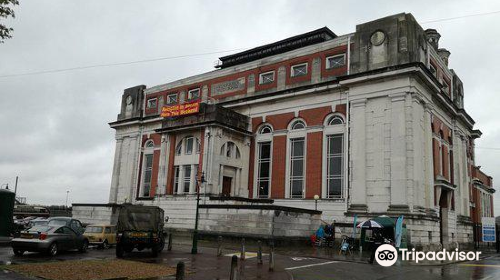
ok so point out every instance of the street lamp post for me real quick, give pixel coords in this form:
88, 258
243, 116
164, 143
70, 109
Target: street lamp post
316, 198
67, 194
194, 249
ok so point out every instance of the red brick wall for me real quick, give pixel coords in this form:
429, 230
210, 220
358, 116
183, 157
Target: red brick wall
314, 164
446, 162
170, 170
278, 168
315, 116
280, 121
251, 158
435, 153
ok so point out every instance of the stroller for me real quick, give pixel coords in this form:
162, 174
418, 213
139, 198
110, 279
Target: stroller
347, 245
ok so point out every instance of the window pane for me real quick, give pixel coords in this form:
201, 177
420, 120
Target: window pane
299, 70
335, 144
336, 166
265, 150
263, 189
264, 170
149, 161
147, 176
297, 167
298, 147
189, 145
335, 187
296, 188
176, 179
172, 98
187, 178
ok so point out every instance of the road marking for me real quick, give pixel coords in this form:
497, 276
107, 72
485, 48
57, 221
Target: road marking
310, 265
481, 265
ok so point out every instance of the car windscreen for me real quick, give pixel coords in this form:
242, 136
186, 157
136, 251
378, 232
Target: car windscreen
93, 229
39, 223
55, 223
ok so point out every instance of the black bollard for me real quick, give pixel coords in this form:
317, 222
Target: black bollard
234, 268
271, 256
179, 273
219, 246
242, 256
169, 248
259, 253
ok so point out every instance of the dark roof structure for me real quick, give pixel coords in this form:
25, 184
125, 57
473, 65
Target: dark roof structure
299, 41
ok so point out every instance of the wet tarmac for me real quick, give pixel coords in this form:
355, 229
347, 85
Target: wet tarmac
291, 263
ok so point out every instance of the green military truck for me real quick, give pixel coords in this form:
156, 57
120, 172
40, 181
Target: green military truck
140, 227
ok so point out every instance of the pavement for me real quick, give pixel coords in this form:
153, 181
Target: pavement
296, 263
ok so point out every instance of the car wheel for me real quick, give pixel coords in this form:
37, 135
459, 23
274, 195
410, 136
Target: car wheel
84, 247
105, 244
18, 252
119, 251
52, 249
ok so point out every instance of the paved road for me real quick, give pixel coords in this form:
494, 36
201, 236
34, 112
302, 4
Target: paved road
287, 266
315, 269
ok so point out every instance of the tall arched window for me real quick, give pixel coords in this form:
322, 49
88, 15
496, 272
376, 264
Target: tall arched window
334, 183
296, 163
147, 169
263, 161
230, 150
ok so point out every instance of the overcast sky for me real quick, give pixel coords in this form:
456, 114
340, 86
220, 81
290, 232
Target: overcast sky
53, 127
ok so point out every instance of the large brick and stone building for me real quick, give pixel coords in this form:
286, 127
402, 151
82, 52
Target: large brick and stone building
373, 122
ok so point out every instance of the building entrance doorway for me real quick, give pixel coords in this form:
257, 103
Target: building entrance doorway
226, 185
443, 216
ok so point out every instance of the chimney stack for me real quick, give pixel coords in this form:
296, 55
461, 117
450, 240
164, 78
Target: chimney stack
444, 54
433, 37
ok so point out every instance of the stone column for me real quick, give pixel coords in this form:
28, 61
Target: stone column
162, 168
418, 142
357, 140
399, 191
113, 192
428, 159
135, 152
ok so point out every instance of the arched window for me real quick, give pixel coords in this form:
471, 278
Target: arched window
188, 145
149, 144
230, 150
335, 120
265, 129
298, 124
334, 156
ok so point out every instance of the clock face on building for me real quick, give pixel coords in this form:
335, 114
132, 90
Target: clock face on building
129, 100
377, 38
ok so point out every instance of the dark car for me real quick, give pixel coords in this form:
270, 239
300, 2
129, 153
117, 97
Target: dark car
140, 227
58, 234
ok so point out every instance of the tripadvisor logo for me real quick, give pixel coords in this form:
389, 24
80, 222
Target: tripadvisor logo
386, 255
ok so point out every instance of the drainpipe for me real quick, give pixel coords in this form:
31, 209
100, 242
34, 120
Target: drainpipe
348, 110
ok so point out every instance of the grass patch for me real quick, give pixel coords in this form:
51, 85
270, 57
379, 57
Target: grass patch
92, 270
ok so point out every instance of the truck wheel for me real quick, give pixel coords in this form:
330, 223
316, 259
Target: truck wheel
18, 252
105, 244
162, 245
154, 251
119, 251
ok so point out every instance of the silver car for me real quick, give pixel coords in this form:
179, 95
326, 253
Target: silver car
59, 234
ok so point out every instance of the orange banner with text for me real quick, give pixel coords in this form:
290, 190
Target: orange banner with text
180, 110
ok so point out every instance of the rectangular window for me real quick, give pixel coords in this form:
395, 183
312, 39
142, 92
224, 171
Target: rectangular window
193, 94
148, 172
335, 166
172, 98
264, 169
433, 70
152, 103
189, 145
335, 61
176, 179
187, 178
266, 78
297, 152
299, 70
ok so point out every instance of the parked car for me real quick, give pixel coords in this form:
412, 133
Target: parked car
140, 227
58, 234
101, 235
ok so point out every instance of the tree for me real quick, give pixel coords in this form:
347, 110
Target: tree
5, 12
